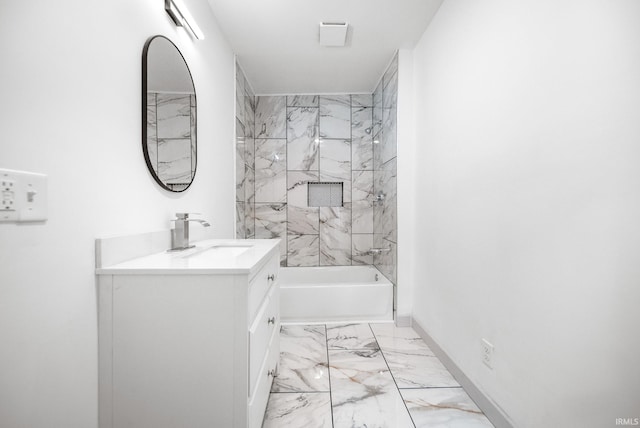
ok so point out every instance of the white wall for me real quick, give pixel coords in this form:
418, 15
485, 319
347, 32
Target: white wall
528, 202
71, 108
407, 180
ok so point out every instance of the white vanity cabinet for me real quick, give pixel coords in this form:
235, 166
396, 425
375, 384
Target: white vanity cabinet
192, 345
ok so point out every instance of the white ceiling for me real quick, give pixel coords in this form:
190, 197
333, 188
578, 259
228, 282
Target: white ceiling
276, 41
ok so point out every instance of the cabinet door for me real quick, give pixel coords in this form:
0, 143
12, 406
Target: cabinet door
260, 396
261, 333
260, 284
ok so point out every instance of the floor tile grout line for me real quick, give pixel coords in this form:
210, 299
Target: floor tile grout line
392, 376
326, 341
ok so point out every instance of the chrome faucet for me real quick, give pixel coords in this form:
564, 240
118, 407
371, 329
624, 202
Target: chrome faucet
180, 233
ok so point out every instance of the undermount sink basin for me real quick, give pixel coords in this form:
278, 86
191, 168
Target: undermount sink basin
224, 249
231, 245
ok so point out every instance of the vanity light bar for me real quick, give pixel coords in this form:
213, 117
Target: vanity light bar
182, 18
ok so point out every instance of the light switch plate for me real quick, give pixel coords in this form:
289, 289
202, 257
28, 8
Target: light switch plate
24, 196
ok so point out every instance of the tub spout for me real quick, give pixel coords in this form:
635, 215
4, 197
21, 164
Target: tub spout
374, 251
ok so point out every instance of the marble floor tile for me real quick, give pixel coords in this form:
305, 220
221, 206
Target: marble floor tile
418, 371
303, 360
351, 336
307, 410
443, 407
363, 393
400, 339
355, 384
412, 363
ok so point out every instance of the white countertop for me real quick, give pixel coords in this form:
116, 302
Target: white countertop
210, 257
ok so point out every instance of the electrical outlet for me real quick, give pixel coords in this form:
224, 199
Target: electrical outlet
487, 353
8, 195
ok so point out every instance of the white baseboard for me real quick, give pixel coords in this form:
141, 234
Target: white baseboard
403, 320
493, 412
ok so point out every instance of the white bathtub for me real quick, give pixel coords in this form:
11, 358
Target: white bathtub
334, 294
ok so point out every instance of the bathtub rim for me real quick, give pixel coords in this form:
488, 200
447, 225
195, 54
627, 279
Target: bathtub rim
336, 323
383, 280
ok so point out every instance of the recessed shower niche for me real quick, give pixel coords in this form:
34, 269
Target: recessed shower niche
325, 194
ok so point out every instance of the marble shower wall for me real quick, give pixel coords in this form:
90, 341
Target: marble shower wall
284, 142
245, 157
385, 226
309, 138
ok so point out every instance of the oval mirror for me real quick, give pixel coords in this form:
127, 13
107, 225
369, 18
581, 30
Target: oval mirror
168, 115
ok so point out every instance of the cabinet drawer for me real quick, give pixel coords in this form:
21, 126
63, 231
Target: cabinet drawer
267, 323
258, 402
260, 284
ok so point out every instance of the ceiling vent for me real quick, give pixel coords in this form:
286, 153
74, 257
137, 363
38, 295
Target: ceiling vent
333, 33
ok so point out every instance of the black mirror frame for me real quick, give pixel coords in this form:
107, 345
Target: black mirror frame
145, 150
